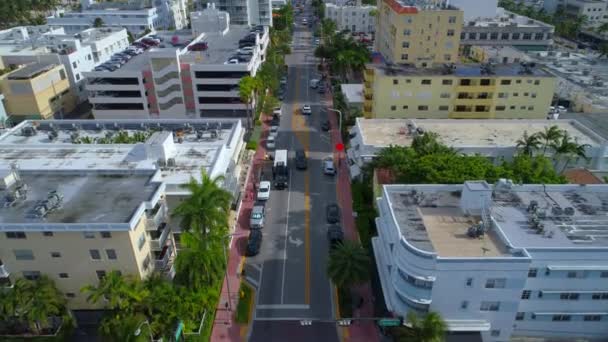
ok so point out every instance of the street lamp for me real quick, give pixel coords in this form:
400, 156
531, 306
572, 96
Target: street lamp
340, 115
227, 277
138, 330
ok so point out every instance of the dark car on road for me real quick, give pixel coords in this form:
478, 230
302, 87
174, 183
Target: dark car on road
335, 235
326, 126
254, 243
333, 213
301, 161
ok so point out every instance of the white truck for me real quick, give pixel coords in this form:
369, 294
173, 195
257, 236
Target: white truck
280, 170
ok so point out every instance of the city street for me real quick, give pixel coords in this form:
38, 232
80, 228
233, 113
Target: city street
290, 270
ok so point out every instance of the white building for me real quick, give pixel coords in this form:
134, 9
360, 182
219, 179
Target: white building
504, 260
173, 82
78, 53
494, 139
594, 10
353, 18
135, 21
476, 9
247, 12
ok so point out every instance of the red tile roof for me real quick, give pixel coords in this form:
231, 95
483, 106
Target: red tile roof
582, 176
399, 8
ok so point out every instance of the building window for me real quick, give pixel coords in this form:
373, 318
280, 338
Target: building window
77, 77
517, 81
447, 57
423, 108
489, 306
404, 57
500, 108
88, 235
23, 254
592, 318
502, 95
395, 81
405, 107
561, 318
447, 82
100, 274
405, 44
504, 36
464, 304
515, 94
55, 255
70, 294
407, 32
598, 296
483, 36
485, 82
527, 36
536, 82
505, 82
568, 296
15, 235
63, 275
445, 95
111, 253
95, 255
106, 235
426, 82
452, 20
515, 36
519, 316
532, 272
450, 33
604, 274
530, 108
393, 108
444, 108
526, 294
495, 333
146, 263
47, 234
494, 36
469, 282
31, 275
533, 95
141, 241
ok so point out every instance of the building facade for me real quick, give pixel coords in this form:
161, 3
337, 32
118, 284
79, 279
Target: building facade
497, 54
353, 18
505, 260
476, 9
247, 12
37, 91
175, 82
469, 91
594, 10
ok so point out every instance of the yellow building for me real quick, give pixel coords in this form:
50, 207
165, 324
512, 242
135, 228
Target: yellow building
37, 91
421, 35
459, 92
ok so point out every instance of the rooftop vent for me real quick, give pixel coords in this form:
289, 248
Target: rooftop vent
476, 231
28, 131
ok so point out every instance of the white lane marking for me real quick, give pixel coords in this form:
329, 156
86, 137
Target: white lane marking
284, 306
295, 241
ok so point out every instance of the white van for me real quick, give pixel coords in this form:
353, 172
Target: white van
314, 83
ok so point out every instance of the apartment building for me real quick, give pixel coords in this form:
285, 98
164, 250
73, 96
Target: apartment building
354, 18
495, 140
78, 205
594, 10
183, 81
418, 32
508, 29
504, 261
78, 53
37, 91
247, 12
497, 54
462, 91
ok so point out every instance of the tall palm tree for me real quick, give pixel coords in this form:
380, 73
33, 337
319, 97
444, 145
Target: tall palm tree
568, 148
207, 208
348, 264
45, 301
200, 261
121, 292
549, 136
431, 328
528, 144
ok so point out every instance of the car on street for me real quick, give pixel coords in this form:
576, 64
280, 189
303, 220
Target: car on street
276, 111
254, 242
283, 81
275, 121
321, 89
314, 83
335, 235
274, 130
306, 110
301, 161
325, 126
270, 142
332, 212
256, 221
281, 95
328, 166
264, 191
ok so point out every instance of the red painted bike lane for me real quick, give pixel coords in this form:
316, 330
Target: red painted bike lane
359, 331
224, 326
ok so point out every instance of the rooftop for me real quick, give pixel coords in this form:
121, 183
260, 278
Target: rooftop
581, 176
188, 147
463, 133
86, 197
353, 92
505, 18
30, 71
460, 70
413, 6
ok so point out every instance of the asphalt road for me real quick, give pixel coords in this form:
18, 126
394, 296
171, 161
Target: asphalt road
290, 270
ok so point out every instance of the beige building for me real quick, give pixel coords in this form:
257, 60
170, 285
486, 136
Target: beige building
37, 91
421, 35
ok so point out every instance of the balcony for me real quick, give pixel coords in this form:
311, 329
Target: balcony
159, 236
163, 260
155, 216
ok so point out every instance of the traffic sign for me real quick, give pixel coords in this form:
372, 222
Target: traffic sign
389, 322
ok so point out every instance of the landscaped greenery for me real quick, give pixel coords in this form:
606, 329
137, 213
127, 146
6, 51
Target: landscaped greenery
318, 7
429, 328
122, 137
33, 307
24, 12
245, 301
200, 268
363, 205
348, 265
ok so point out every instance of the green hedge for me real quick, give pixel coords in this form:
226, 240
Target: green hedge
245, 302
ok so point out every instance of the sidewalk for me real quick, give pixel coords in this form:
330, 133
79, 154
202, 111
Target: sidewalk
224, 328
364, 331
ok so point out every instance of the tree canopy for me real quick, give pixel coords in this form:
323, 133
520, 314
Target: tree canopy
348, 264
24, 12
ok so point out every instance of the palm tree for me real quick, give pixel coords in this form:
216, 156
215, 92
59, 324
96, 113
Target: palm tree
98, 22
431, 328
549, 136
122, 293
121, 327
45, 301
200, 261
248, 87
528, 144
348, 264
207, 208
569, 148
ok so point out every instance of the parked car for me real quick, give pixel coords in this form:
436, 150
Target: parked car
301, 161
325, 125
274, 130
256, 221
335, 235
270, 142
328, 166
306, 110
275, 121
332, 211
321, 89
200, 46
264, 191
314, 83
276, 111
254, 242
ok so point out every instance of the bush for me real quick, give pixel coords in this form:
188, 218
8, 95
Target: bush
245, 302
252, 145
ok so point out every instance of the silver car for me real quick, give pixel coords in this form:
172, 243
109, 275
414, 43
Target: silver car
257, 217
328, 166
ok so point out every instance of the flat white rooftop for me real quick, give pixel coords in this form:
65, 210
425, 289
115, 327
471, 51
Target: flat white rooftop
123, 145
353, 92
466, 133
